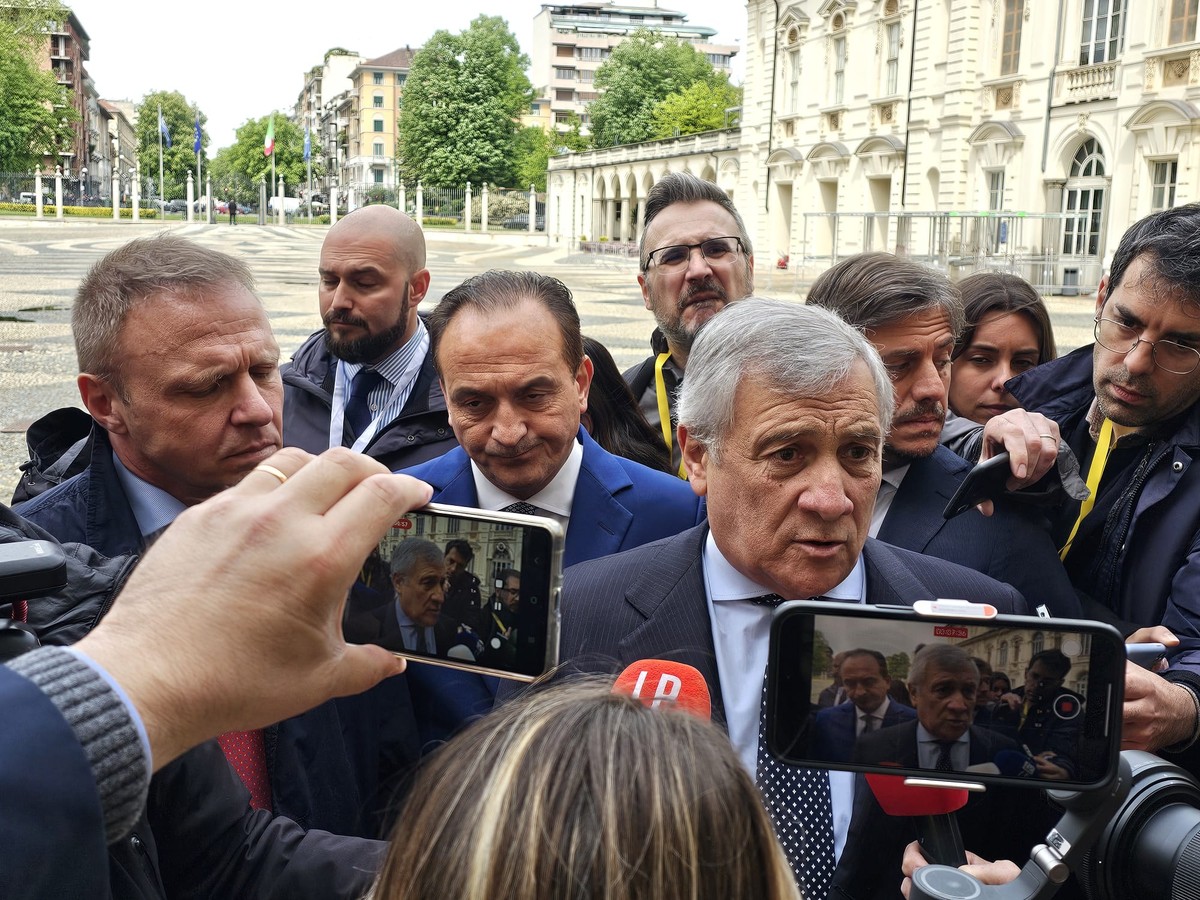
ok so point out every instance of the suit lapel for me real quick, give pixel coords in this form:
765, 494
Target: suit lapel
451, 478
671, 598
599, 522
915, 516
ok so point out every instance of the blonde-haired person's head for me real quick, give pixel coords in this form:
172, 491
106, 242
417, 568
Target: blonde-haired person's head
575, 792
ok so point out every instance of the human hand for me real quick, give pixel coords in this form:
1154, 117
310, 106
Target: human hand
1002, 871
233, 620
1157, 713
1048, 769
1031, 440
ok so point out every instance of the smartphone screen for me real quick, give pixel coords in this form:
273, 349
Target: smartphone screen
986, 481
884, 690
466, 588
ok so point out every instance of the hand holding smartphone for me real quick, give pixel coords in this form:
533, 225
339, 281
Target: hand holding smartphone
465, 588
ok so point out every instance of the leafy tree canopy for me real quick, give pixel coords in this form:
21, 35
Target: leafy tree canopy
464, 92
243, 162
642, 71
699, 107
533, 149
35, 111
180, 119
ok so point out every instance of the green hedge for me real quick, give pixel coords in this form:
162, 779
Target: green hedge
440, 221
82, 212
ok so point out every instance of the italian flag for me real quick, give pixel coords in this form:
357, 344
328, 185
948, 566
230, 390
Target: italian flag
269, 140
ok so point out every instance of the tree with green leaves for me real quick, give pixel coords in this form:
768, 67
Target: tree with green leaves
703, 106
898, 664
458, 115
180, 118
532, 154
36, 116
243, 162
642, 71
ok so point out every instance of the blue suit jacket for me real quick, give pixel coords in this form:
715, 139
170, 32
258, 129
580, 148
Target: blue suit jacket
836, 728
618, 503
1013, 545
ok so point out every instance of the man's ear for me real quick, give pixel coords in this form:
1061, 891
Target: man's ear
645, 291
695, 461
1101, 294
418, 287
103, 402
583, 381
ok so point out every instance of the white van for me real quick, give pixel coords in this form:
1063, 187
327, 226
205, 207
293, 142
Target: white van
291, 205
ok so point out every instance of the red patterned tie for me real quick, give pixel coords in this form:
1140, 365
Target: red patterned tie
247, 753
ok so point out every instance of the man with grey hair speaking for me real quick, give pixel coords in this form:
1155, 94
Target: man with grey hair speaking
781, 423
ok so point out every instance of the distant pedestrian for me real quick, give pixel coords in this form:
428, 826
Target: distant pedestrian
232, 211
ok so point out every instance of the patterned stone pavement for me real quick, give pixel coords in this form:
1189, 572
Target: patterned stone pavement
41, 264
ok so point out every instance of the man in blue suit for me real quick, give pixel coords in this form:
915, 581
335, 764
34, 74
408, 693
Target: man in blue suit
868, 707
509, 353
913, 316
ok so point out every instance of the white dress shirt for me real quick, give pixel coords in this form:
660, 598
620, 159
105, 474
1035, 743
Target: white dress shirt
888, 486
741, 633
553, 501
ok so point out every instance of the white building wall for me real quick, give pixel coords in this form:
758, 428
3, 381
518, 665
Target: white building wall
912, 168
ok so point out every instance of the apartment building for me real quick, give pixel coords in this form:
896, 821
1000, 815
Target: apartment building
570, 42
66, 50
370, 112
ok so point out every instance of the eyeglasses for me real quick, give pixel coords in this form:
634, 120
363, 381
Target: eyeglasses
1168, 355
718, 251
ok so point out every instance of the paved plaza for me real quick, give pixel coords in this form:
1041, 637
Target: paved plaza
41, 264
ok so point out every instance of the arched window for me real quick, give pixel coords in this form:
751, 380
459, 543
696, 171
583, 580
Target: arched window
1003, 654
1083, 201
1037, 644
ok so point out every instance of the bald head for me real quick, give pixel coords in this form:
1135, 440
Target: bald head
373, 276
384, 221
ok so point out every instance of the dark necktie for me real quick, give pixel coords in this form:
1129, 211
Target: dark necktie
422, 646
943, 763
358, 410
525, 509
799, 804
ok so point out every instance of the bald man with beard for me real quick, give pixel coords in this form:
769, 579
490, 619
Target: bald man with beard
367, 380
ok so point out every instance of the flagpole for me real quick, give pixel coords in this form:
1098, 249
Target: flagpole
199, 164
163, 209
308, 160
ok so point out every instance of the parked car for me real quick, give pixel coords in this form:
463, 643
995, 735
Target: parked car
176, 206
521, 221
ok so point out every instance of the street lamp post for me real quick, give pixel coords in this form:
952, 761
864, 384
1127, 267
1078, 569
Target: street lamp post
83, 185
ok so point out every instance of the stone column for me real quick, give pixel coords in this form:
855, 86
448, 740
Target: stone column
58, 201
467, 209
483, 209
191, 198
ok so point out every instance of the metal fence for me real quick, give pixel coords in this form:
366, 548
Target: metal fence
1058, 253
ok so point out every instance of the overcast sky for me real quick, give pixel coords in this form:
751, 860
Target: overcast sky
241, 60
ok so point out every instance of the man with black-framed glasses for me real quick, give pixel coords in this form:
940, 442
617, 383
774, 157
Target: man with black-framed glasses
1129, 408
695, 256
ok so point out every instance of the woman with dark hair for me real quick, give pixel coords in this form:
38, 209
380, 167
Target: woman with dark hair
576, 793
1008, 332
613, 418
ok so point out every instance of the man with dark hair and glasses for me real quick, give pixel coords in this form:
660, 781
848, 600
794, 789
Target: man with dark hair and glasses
1129, 408
694, 257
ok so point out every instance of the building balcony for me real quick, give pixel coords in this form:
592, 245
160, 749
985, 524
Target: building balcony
1083, 83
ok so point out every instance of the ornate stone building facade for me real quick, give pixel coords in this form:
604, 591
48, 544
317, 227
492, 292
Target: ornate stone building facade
969, 134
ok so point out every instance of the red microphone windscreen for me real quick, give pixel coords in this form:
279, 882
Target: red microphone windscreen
658, 681
900, 799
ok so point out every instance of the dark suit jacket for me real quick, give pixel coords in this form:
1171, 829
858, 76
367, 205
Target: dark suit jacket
836, 728
618, 503
650, 602
1013, 545
899, 746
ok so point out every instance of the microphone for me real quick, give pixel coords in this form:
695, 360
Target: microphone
1015, 763
658, 681
932, 810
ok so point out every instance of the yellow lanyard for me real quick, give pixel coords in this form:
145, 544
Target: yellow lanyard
664, 408
1095, 473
